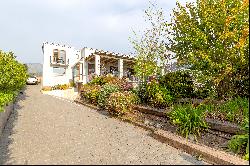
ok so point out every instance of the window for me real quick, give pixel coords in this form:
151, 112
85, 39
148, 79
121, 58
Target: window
62, 56
55, 55
59, 56
58, 71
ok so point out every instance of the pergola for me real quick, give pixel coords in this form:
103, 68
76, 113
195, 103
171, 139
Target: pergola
99, 58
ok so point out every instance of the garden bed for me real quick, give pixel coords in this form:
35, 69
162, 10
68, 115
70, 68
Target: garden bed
214, 124
209, 121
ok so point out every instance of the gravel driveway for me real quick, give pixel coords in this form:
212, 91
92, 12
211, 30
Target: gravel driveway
45, 130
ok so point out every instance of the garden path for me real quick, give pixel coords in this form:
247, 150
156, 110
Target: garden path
46, 130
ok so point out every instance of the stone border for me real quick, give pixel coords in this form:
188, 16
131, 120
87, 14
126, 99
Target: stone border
208, 154
153, 111
4, 115
226, 127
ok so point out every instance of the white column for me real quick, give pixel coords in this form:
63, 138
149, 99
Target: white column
120, 68
81, 72
97, 65
85, 76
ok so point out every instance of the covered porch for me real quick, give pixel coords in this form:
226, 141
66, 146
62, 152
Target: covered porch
102, 63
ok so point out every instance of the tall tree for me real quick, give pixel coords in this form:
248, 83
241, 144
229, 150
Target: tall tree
212, 36
150, 48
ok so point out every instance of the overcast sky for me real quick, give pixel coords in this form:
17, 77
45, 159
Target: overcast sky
101, 24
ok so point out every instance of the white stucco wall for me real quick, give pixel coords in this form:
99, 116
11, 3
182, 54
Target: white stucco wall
85, 52
50, 78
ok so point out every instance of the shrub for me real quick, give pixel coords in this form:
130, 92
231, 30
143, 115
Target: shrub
157, 95
127, 86
13, 75
90, 93
109, 79
98, 81
105, 93
72, 84
5, 98
240, 143
60, 87
179, 83
203, 91
141, 92
47, 88
189, 120
234, 110
64, 87
120, 103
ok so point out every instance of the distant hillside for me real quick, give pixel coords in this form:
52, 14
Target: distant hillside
35, 68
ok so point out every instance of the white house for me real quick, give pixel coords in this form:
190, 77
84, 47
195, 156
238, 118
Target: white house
64, 64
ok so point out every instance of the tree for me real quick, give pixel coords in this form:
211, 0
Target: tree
150, 48
212, 36
13, 74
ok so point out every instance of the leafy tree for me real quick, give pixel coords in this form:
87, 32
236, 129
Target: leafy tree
212, 37
150, 48
13, 74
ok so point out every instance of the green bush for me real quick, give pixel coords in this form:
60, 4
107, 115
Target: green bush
179, 83
105, 92
141, 92
234, 110
72, 84
5, 98
203, 91
240, 143
109, 79
90, 93
158, 96
120, 103
60, 87
189, 120
98, 81
13, 74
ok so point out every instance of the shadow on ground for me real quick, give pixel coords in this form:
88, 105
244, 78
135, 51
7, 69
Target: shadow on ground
6, 139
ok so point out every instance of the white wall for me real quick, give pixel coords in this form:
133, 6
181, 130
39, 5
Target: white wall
85, 52
50, 78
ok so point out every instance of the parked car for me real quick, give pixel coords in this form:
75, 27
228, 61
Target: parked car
32, 80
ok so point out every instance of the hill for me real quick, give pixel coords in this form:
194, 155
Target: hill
35, 68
